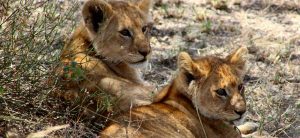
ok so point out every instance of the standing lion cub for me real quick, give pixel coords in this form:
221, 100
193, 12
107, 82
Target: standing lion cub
203, 101
106, 52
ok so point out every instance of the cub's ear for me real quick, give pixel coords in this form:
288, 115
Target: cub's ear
237, 57
191, 69
145, 5
95, 13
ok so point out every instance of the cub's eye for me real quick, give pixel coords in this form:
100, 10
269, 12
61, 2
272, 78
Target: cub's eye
125, 32
241, 88
221, 92
144, 29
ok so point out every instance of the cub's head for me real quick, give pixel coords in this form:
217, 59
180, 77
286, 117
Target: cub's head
119, 30
215, 85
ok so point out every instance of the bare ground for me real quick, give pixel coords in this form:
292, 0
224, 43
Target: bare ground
269, 29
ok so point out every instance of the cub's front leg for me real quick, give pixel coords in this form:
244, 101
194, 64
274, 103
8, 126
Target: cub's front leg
128, 94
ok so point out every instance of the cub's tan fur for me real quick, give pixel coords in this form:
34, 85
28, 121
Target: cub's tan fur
110, 46
193, 105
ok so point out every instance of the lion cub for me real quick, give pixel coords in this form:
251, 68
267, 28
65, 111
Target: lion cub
107, 51
202, 101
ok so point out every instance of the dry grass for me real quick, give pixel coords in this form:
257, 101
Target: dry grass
32, 34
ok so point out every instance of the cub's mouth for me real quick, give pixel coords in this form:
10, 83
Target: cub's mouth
138, 60
140, 64
237, 121
141, 61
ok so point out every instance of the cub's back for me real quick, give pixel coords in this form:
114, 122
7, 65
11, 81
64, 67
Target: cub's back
157, 120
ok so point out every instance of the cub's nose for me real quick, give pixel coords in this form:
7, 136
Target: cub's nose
144, 52
240, 112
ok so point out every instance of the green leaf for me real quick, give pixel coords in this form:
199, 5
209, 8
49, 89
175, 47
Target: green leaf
1, 90
298, 104
73, 64
206, 26
77, 74
66, 68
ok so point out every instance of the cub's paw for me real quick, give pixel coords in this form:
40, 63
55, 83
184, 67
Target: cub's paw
248, 128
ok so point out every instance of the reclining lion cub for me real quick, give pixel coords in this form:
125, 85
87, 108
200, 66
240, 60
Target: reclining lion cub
202, 101
109, 48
